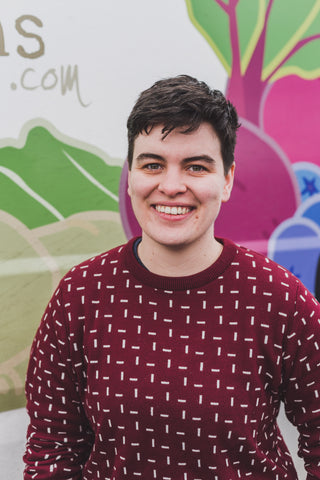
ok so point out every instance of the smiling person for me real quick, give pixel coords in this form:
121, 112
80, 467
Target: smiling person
168, 357
177, 185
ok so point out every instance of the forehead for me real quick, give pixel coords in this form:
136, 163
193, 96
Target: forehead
202, 140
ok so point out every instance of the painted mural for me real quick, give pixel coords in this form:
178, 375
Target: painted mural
59, 206
272, 60
63, 199
270, 50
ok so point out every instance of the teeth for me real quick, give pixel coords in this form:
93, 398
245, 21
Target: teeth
172, 210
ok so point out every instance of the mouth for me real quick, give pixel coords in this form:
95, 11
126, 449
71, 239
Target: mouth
175, 210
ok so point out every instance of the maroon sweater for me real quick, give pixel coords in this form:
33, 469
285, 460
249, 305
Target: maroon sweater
135, 375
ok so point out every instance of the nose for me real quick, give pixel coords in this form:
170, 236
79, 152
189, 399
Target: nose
172, 183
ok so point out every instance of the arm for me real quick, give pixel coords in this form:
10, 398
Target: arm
302, 378
59, 439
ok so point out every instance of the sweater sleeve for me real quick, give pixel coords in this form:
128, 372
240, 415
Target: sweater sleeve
59, 439
302, 378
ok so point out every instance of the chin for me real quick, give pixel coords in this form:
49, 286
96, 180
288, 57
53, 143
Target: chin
172, 241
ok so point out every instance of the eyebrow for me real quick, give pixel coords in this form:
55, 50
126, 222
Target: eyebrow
203, 157
144, 156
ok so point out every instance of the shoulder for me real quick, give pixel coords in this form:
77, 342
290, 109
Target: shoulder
103, 266
266, 276
266, 282
267, 268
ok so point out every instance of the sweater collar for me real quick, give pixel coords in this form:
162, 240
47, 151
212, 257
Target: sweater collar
189, 282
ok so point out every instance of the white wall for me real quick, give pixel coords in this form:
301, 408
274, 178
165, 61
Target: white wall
120, 48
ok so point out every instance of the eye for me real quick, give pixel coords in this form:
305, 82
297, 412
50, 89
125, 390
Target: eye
152, 166
197, 168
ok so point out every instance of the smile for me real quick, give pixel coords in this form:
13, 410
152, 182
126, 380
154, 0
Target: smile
172, 210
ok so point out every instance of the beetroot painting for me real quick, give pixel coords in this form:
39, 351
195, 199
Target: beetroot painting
270, 51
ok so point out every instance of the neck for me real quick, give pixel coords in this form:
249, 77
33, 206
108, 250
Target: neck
177, 261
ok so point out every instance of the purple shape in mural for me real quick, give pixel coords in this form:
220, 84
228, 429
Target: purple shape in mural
295, 244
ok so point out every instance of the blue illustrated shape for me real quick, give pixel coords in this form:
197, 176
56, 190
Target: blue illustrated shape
295, 244
310, 186
308, 176
310, 209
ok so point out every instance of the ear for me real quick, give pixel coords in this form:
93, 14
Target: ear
229, 177
129, 183
129, 191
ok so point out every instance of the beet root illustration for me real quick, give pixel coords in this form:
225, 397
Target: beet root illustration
265, 191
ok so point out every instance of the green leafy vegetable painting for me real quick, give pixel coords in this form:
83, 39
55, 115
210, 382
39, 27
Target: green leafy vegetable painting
47, 180
58, 206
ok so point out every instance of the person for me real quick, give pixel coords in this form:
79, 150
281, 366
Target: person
168, 357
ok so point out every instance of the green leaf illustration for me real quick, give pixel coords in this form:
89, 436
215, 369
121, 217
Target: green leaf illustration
250, 17
304, 63
48, 180
259, 41
212, 22
285, 38
235, 28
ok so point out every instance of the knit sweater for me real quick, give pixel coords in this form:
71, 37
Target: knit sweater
133, 375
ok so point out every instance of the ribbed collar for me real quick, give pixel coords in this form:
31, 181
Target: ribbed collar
189, 282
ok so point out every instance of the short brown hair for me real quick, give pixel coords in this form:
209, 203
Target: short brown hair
184, 102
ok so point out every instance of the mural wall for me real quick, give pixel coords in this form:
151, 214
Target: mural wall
270, 51
69, 78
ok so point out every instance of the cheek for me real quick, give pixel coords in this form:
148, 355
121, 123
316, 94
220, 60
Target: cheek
138, 188
211, 198
210, 193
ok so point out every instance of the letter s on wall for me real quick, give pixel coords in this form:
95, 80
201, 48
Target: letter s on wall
20, 29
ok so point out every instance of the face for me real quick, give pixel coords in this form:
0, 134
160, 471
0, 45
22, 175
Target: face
177, 185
